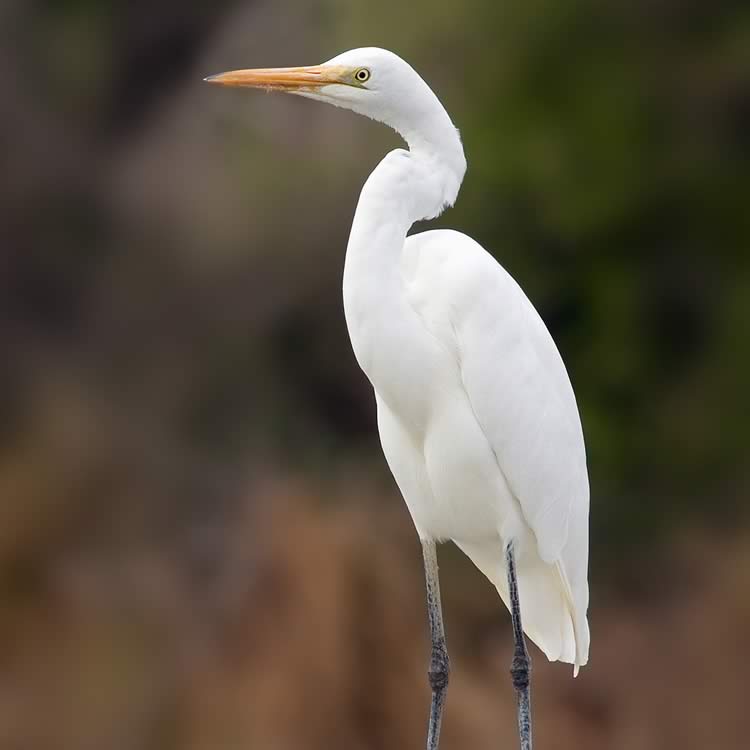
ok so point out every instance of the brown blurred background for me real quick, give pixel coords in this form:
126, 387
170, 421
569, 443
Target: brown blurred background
200, 545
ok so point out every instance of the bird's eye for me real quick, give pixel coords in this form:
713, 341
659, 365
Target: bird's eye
362, 75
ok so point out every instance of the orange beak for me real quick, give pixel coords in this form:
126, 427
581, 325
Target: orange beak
283, 79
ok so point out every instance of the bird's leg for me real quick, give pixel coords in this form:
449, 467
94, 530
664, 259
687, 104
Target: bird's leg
439, 662
520, 669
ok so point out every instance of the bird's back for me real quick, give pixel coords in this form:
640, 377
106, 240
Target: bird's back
521, 397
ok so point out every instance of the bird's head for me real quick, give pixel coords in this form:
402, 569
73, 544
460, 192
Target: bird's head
370, 81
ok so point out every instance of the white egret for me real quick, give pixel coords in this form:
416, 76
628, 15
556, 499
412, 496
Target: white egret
476, 413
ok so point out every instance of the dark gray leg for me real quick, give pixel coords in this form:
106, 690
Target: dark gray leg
439, 662
520, 669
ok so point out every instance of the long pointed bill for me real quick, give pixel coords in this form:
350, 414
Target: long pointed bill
284, 79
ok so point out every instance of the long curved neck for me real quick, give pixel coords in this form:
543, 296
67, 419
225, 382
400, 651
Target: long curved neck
405, 187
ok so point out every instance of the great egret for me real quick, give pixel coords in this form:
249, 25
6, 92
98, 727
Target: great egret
476, 413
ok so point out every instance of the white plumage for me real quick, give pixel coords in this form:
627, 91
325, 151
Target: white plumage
480, 428
513, 400
477, 416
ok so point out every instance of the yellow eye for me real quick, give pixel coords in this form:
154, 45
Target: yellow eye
362, 75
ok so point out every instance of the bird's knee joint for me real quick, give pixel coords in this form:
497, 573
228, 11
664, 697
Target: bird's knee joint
520, 671
440, 668
439, 677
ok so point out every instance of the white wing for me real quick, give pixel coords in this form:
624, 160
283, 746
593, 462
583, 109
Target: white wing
520, 392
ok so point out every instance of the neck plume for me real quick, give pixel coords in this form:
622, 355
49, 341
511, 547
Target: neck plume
437, 154
418, 183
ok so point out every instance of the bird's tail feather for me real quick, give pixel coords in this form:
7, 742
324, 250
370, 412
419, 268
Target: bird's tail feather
548, 611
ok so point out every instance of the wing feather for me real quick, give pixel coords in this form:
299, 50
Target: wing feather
520, 392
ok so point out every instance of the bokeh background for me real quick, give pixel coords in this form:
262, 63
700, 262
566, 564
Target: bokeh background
200, 545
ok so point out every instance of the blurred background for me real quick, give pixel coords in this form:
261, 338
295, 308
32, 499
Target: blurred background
201, 547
